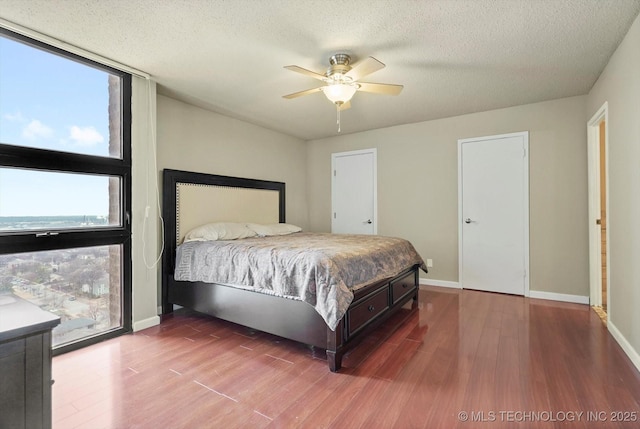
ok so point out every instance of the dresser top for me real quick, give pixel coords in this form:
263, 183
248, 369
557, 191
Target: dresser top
19, 318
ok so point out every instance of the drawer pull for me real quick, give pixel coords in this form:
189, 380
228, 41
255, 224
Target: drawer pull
404, 285
371, 308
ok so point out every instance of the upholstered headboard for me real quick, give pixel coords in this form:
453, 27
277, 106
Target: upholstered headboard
198, 204
193, 199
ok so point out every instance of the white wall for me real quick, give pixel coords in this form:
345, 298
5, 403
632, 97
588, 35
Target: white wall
619, 86
418, 189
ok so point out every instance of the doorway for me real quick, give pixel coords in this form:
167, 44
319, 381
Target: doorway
603, 212
598, 203
354, 192
493, 215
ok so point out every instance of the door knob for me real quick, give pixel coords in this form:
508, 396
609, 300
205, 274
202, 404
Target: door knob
467, 220
368, 221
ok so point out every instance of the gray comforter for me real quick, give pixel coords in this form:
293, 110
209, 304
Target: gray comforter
322, 270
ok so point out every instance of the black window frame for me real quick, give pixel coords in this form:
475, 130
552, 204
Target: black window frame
12, 156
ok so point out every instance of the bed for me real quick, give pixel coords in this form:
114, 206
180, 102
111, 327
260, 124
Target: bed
194, 199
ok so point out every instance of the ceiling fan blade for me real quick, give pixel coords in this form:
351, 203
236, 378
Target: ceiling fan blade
380, 88
345, 106
305, 72
364, 68
301, 93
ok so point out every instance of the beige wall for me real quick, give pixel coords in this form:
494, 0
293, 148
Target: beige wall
619, 86
418, 187
144, 238
194, 139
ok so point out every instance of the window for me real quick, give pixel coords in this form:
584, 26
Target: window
65, 188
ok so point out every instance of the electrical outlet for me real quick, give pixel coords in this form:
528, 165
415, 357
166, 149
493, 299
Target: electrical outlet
429, 263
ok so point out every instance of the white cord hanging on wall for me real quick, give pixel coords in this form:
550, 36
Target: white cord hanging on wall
153, 150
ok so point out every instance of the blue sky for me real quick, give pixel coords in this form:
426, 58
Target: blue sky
50, 102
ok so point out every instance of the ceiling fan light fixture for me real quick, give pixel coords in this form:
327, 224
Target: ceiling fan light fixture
341, 81
339, 93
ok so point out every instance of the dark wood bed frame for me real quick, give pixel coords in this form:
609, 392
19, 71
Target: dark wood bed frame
295, 320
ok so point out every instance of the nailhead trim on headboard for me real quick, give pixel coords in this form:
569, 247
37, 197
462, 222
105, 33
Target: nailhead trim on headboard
195, 185
223, 203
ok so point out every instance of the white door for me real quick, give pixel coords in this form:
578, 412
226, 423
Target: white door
494, 213
353, 192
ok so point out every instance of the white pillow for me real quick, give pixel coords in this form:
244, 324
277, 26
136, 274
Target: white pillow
219, 231
273, 229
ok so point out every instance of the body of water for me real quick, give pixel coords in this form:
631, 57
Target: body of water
17, 223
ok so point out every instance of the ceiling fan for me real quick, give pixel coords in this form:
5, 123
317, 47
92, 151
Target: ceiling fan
341, 81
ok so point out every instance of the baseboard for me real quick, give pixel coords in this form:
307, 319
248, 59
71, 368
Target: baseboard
441, 283
626, 346
577, 299
146, 323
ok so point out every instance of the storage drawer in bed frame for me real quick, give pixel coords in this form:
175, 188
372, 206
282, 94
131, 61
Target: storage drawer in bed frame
367, 310
402, 287
372, 303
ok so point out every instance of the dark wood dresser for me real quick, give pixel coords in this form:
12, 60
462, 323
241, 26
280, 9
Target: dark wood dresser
25, 364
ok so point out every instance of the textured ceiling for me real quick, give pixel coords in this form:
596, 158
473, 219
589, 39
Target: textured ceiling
453, 57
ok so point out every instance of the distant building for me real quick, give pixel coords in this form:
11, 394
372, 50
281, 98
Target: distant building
72, 325
99, 288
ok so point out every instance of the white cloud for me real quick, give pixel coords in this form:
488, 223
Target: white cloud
16, 117
85, 136
36, 129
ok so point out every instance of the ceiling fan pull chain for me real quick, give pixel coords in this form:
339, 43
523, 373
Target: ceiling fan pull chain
338, 110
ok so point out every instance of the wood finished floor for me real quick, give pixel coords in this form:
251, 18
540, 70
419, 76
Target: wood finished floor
505, 361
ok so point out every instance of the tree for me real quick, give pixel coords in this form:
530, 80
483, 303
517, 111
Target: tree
96, 309
91, 273
5, 284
